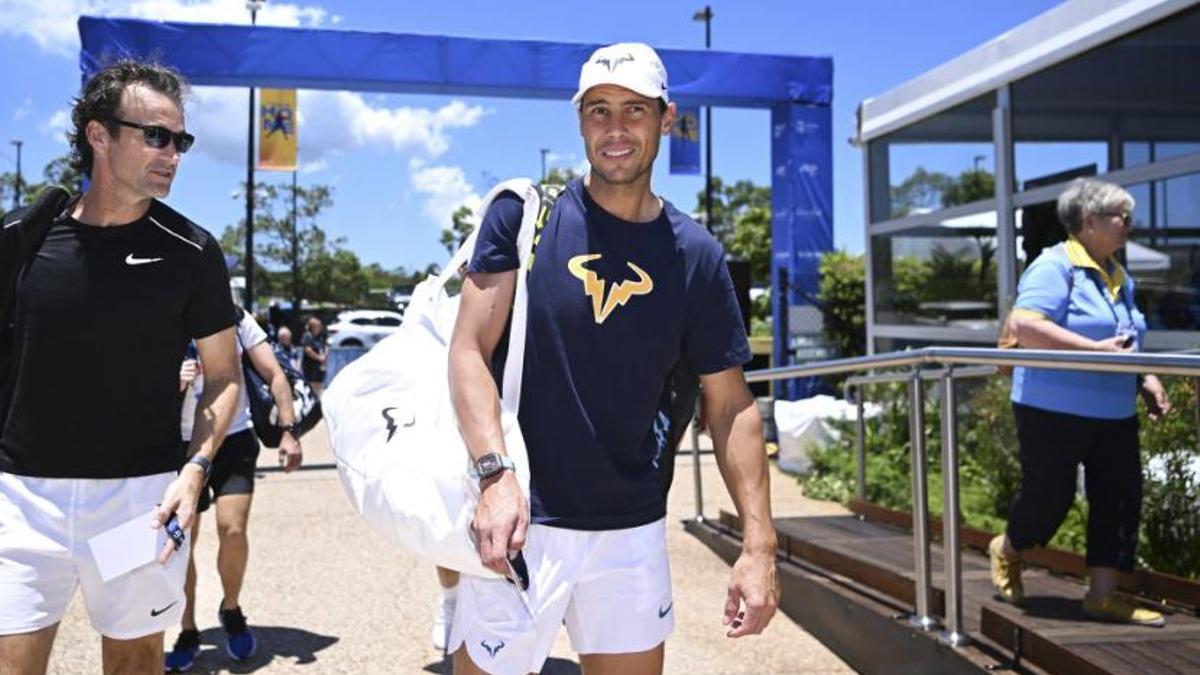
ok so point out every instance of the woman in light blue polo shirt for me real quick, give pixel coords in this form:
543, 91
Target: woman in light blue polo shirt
1076, 296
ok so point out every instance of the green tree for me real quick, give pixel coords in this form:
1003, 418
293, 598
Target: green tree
751, 241
970, 186
335, 275
7, 187
328, 272
462, 223
732, 203
921, 190
57, 171
842, 295
560, 176
928, 190
463, 220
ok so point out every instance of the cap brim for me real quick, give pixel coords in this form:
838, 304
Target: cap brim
577, 99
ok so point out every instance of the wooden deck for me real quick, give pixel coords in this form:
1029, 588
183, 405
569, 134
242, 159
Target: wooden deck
1048, 631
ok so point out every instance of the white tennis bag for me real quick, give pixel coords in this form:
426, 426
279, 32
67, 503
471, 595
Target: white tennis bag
394, 431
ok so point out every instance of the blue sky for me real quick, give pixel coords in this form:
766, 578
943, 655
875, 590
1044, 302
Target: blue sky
400, 164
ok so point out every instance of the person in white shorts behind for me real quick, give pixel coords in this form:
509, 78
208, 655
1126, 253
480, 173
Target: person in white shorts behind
90, 404
624, 287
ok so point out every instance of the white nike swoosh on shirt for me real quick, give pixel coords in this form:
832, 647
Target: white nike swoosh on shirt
131, 260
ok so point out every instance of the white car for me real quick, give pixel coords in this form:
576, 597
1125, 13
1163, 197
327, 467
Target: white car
363, 327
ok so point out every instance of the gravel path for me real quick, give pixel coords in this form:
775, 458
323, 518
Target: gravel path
326, 595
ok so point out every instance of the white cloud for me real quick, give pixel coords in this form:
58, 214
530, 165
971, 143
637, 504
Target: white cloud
44, 21
314, 167
57, 125
445, 189
329, 122
24, 110
405, 129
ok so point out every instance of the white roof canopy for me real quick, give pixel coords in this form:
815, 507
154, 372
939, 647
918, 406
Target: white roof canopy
1055, 36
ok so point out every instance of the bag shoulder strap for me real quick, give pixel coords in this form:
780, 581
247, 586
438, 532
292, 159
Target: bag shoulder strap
32, 226
548, 196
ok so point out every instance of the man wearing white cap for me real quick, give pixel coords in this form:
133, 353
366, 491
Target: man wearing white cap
625, 286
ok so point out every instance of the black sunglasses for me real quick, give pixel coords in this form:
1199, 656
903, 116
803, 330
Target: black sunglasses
158, 137
1126, 218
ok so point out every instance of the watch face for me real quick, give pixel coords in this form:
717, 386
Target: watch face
488, 465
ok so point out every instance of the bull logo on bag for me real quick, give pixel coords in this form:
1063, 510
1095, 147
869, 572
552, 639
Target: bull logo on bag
390, 415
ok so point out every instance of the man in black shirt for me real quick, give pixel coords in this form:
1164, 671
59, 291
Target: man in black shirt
90, 435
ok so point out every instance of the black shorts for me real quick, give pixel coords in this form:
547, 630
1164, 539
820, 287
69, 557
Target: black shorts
314, 373
233, 470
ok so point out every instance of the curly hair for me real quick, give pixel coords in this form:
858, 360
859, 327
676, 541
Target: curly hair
101, 98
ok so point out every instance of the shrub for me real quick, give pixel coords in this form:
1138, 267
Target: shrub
990, 475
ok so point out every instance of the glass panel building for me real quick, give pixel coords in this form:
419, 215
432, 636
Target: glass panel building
962, 166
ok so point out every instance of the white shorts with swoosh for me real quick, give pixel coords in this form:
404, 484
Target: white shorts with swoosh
611, 588
45, 524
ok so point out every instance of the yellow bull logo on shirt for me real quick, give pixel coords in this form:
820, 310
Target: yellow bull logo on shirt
618, 295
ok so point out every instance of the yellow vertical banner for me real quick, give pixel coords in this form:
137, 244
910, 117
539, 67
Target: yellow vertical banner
277, 129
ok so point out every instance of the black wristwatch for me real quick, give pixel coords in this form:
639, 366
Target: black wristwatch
293, 429
202, 462
491, 464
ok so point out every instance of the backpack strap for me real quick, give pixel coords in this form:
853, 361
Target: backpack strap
32, 227
548, 194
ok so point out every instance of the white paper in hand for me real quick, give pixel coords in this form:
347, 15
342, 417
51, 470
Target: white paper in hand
126, 547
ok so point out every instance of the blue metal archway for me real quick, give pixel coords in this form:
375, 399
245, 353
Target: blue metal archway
797, 90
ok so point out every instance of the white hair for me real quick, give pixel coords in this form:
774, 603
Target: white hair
1087, 196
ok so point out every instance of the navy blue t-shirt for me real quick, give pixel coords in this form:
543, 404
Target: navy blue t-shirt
613, 306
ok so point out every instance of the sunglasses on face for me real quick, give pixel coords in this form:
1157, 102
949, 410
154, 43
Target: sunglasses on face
158, 137
1126, 218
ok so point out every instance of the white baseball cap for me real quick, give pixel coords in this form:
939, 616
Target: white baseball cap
632, 65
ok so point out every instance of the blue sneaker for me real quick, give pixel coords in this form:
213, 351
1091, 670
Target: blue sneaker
239, 641
183, 654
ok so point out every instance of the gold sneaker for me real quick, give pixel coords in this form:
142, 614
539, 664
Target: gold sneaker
1006, 572
1116, 608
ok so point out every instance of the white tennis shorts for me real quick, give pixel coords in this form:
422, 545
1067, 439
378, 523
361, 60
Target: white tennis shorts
611, 588
45, 524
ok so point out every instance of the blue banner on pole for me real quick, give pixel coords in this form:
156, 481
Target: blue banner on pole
801, 231
685, 142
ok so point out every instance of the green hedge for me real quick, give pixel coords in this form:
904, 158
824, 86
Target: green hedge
990, 475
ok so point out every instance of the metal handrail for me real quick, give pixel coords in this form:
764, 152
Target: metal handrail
1160, 364
951, 359
853, 388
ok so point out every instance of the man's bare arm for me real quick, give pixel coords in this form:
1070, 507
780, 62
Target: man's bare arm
736, 429
482, 315
222, 392
218, 358
502, 515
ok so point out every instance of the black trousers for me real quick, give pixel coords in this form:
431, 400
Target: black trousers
1052, 445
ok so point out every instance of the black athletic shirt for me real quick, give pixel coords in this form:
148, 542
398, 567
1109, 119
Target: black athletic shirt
102, 318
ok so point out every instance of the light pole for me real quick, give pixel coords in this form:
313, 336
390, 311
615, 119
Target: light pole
253, 6
544, 152
295, 250
706, 15
18, 181
977, 159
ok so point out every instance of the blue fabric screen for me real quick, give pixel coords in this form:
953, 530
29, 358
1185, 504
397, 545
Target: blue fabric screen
797, 90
